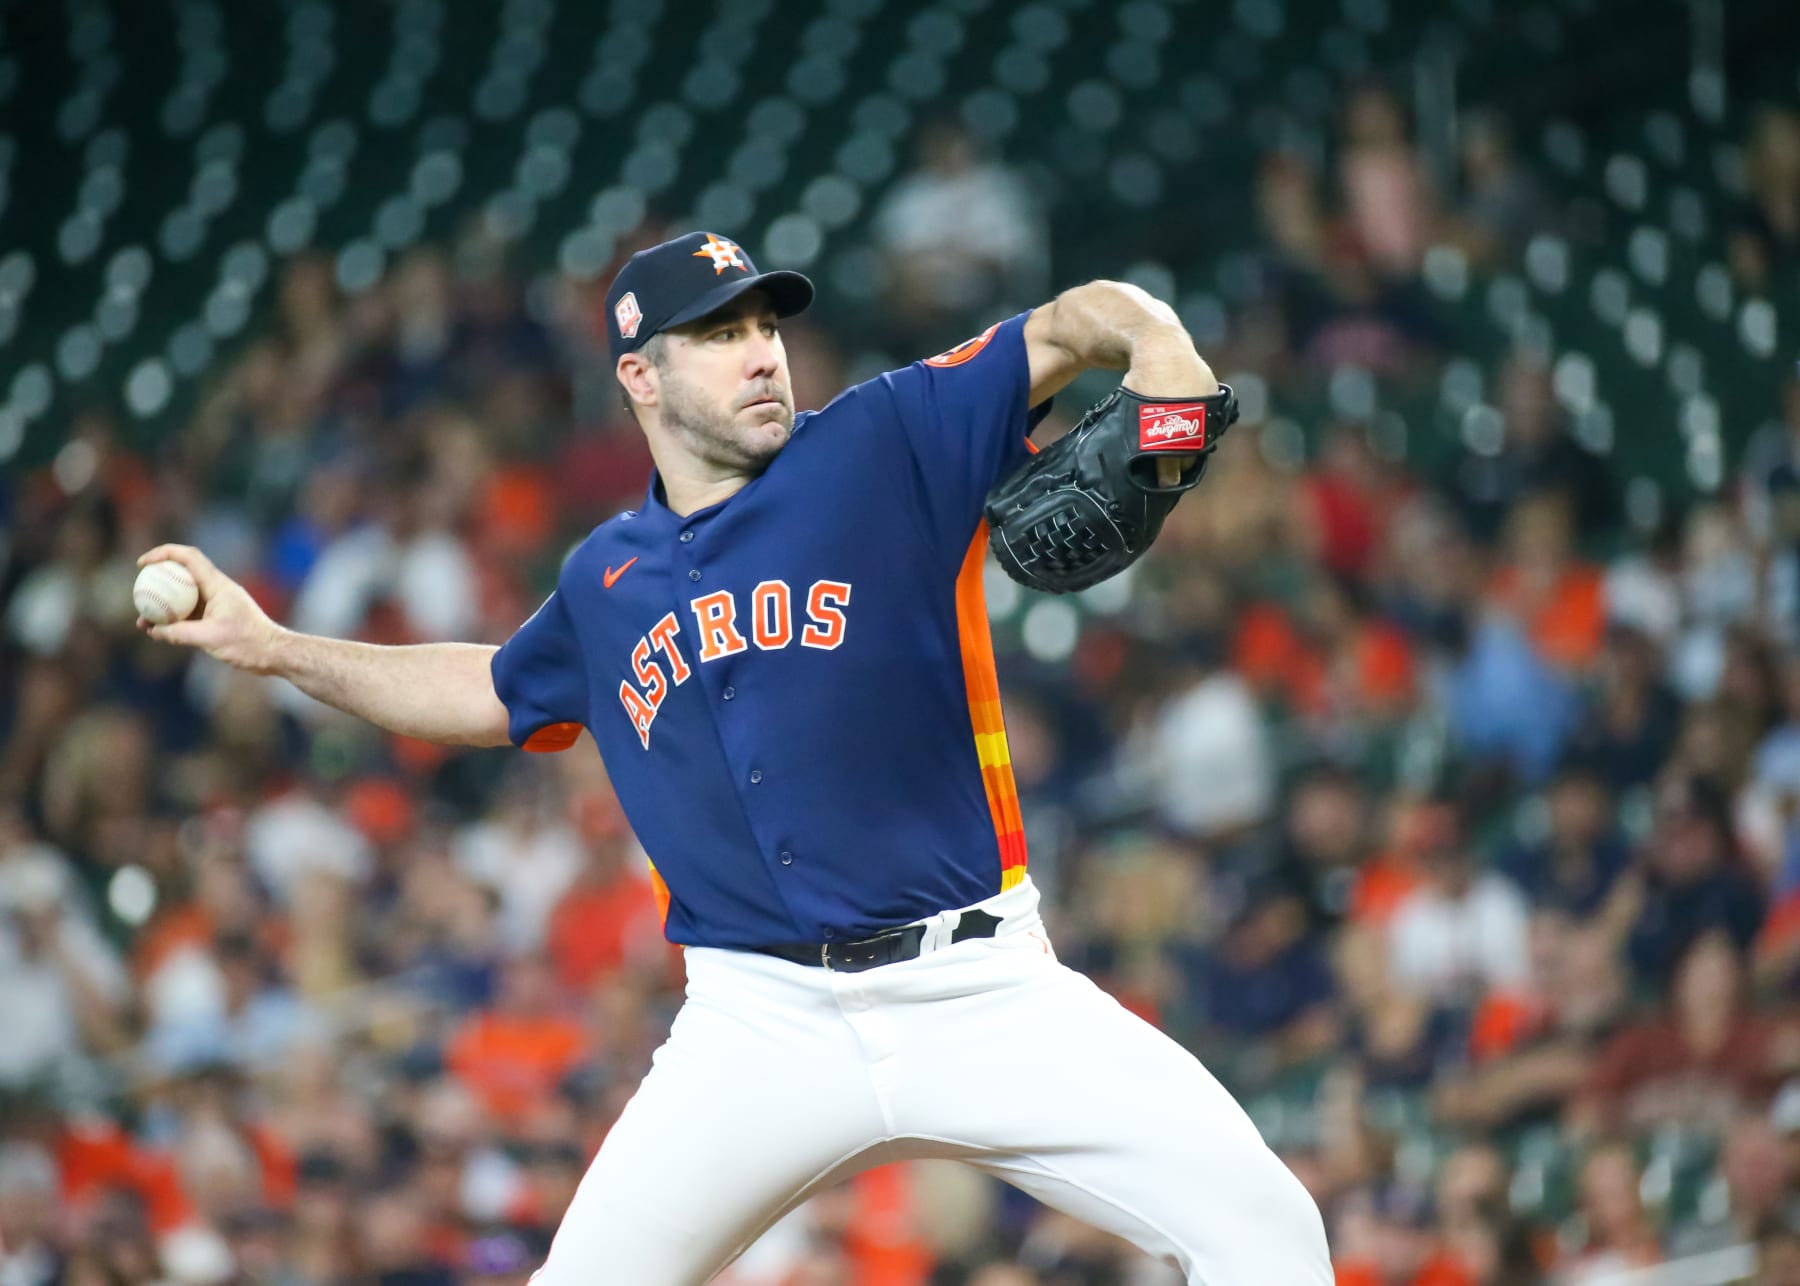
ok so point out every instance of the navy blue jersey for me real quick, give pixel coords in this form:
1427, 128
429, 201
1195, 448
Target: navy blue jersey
793, 690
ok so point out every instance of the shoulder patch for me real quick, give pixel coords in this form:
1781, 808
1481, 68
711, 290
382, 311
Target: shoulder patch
965, 350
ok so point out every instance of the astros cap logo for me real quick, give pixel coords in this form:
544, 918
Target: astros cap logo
628, 314
723, 253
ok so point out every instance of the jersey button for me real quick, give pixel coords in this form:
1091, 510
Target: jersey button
686, 536
755, 776
787, 858
729, 693
694, 574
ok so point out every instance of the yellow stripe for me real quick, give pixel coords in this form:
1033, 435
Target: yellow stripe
991, 749
1012, 877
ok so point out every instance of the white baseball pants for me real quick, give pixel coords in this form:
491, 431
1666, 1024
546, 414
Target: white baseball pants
779, 1080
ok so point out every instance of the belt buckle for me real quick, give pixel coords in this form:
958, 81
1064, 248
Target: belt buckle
862, 954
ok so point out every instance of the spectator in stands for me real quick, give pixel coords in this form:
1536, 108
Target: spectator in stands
1428, 578
609, 918
962, 239
1643, 585
1351, 497
393, 1240
1538, 455
1503, 203
1720, 734
418, 359
1266, 984
1545, 586
1620, 1233
1693, 880
1364, 318
1141, 894
454, 1163
1479, 1238
1400, 1036
515, 1053
1293, 300
63, 991
1720, 588
1700, 1063
1765, 244
1631, 717
98, 795
1513, 696
1759, 1185
1530, 1050
1470, 1181
237, 1006
1332, 663
443, 934
72, 588
527, 851
1210, 730
1386, 191
1461, 931
1575, 867
1398, 1245
410, 558
1326, 836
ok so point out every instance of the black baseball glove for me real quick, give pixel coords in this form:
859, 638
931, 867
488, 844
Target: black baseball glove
1089, 504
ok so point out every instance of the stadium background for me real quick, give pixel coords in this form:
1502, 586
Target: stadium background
1434, 778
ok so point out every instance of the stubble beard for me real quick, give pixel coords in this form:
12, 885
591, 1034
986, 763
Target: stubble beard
720, 436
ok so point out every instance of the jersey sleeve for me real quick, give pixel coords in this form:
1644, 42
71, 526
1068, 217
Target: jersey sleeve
965, 414
541, 679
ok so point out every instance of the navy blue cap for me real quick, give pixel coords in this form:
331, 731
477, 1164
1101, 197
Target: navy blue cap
685, 279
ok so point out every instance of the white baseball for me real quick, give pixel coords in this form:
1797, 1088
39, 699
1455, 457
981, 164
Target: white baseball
165, 591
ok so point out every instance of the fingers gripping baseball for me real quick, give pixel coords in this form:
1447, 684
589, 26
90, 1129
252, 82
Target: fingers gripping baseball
228, 626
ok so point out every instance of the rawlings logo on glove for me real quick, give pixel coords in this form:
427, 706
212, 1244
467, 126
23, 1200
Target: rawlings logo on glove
1167, 428
1088, 505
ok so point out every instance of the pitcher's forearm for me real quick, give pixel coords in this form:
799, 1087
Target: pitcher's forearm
1111, 325
442, 692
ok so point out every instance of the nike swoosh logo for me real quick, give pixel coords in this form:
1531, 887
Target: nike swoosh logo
612, 575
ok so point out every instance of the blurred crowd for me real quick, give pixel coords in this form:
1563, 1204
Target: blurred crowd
1452, 820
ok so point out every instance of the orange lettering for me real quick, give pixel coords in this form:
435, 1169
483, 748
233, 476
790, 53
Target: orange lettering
824, 604
769, 615
663, 636
649, 673
641, 712
716, 615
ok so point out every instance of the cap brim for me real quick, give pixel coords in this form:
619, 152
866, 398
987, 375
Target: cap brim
788, 292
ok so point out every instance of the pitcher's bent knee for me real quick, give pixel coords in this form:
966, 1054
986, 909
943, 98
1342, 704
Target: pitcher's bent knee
1283, 1240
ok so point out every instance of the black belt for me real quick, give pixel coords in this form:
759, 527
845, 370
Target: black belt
883, 948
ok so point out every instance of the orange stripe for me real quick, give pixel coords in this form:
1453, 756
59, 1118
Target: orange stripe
985, 720
661, 892
553, 737
985, 715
